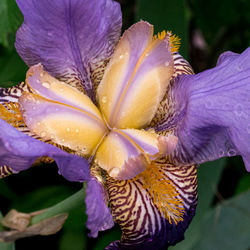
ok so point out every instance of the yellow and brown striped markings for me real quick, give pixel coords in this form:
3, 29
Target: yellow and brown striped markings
161, 191
5, 171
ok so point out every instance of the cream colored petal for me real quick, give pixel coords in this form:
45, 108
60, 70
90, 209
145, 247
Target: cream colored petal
135, 79
65, 125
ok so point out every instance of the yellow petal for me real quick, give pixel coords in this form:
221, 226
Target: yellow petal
136, 78
65, 125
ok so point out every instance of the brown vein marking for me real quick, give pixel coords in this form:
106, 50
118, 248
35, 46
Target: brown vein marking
166, 110
5, 171
134, 209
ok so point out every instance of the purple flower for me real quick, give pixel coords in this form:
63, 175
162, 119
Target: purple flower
127, 116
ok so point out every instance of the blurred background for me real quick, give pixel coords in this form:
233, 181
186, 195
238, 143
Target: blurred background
206, 29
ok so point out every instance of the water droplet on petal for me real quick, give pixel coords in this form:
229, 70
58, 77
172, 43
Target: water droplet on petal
121, 56
208, 104
43, 134
113, 172
104, 99
84, 149
239, 110
166, 64
38, 124
221, 153
231, 152
46, 85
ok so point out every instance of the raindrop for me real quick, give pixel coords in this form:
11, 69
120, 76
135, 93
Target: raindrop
231, 152
221, 153
104, 99
166, 64
208, 104
239, 110
43, 134
46, 85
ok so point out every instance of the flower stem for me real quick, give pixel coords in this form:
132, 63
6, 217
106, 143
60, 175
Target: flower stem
64, 206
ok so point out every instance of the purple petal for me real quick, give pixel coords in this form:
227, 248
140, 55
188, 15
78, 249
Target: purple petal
213, 110
19, 151
99, 216
143, 225
69, 37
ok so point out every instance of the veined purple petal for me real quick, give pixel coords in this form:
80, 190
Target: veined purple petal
19, 151
213, 110
99, 216
69, 37
143, 225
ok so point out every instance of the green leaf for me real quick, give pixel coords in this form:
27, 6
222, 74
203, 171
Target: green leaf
208, 178
244, 184
166, 15
12, 68
227, 226
10, 19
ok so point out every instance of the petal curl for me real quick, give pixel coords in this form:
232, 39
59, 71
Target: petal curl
19, 151
99, 215
124, 153
71, 38
143, 225
213, 111
136, 78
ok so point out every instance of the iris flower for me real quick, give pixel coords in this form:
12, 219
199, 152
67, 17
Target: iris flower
124, 114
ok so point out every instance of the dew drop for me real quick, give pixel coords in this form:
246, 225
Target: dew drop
147, 54
84, 149
113, 172
239, 110
231, 152
46, 85
221, 153
208, 104
104, 99
43, 134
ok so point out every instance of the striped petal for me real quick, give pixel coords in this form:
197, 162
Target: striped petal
135, 79
125, 153
154, 209
71, 38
